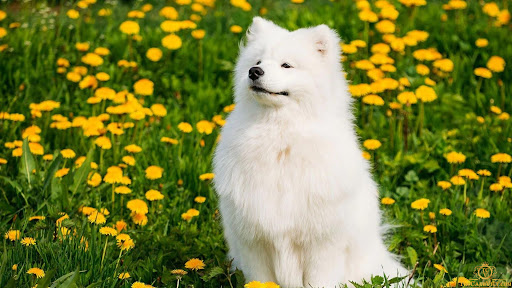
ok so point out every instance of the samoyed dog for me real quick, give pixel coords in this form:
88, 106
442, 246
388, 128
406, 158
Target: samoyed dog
298, 203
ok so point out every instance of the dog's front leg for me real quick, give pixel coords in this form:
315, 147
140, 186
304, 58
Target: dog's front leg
288, 264
325, 265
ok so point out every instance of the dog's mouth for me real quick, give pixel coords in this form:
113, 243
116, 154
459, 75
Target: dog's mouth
261, 90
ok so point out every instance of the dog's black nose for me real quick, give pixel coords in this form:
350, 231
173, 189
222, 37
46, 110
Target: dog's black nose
255, 73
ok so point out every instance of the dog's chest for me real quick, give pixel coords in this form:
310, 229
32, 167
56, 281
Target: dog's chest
280, 181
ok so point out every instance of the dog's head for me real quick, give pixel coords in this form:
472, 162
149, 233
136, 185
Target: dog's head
278, 67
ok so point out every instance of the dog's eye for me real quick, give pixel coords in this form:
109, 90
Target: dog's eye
259, 62
286, 65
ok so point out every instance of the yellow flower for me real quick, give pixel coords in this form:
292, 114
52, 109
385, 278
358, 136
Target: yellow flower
14, 267
172, 42
68, 153
366, 155
501, 158
491, 9
407, 97
28, 241
481, 42
139, 219
385, 27
468, 173
185, 127
445, 212
124, 275
444, 184
132, 148
94, 180
137, 206
200, 199
483, 172
97, 218
205, 127
103, 142
420, 204
73, 14
143, 87
195, 264
368, 15
255, 284
108, 231
455, 157
138, 285
457, 180
198, 34
482, 213
154, 172
235, 29
372, 144
92, 59
359, 89
169, 13
483, 72
373, 100
61, 172
206, 176
496, 64
430, 228
122, 190
180, 272
39, 273
154, 54
153, 195
88, 81
129, 27
387, 201
102, 76
348, 49
496, 187
445, 65
13, 235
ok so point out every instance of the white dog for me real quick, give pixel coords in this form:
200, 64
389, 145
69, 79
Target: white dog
298, 203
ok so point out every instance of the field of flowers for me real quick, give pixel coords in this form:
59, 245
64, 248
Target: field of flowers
110, 111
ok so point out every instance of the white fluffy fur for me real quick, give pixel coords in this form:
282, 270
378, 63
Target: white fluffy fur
298, 203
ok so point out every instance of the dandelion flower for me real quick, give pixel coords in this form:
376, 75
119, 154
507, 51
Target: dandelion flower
206, 176
97, 218
153, 195
372, 144
420, 204
154, 54
108, 231
172, 42
387, 201
28, 241
143, 87
130, 27
195, 264
199, 199
445, 212
430, 228
39, 273
122, 190
154, 172
444, 184
137, 206
13, 235
235, 29
501, 158
61, 172
185, 127
483, 72
124, 275
455, 157
482, 213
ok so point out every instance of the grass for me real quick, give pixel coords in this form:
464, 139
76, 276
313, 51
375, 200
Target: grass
194, 83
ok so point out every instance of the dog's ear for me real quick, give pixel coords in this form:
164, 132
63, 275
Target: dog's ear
260, 27
326, 41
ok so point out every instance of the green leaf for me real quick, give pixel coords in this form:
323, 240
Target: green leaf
413, 256
12, 283
82, 172
51, 171
214, 272
240, 279
70, 281
377, 280
28, 163
62, 279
